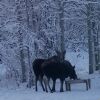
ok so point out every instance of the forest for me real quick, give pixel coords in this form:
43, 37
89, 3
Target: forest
31, 29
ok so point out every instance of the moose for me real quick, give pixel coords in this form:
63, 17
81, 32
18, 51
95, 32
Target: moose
38, 69
58, 70
52, 68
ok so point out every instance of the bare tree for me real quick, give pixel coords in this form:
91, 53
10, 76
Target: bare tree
61, 23
20, 19
90, 40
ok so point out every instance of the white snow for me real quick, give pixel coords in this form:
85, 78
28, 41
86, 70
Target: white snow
78, 91
81, 61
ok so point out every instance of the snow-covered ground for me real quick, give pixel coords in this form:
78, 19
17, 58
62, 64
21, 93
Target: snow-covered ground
78, 92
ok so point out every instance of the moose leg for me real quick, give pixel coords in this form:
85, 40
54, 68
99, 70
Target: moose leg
53, 88
45, 84
45, 80
41, 81
49, 84
36, 79
61, 88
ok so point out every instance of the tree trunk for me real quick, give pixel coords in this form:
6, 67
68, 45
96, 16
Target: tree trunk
20, 4
90, 40
96, 44
30, 82
61, 24
27, 13
98, 36
23, 68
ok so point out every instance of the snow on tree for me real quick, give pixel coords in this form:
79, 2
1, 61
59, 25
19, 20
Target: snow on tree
31, 29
